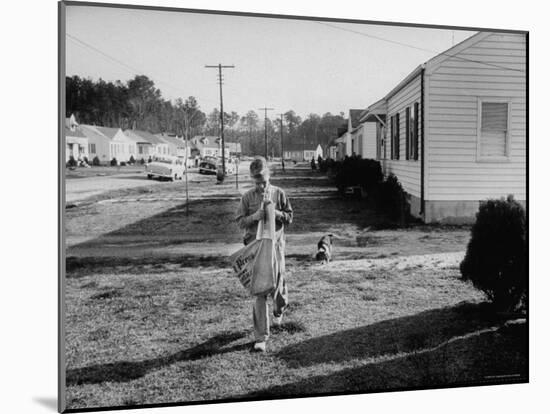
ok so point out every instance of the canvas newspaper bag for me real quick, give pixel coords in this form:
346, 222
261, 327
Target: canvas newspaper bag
256, 264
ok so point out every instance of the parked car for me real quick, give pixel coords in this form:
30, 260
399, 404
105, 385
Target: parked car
172, 168
210, 165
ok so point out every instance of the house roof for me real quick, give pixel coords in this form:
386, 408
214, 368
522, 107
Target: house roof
180, 143
143, 136
378, 109
92, 131
355, 115
376, 112
212, 141
77, 133
70, 121
431, 64
107, 131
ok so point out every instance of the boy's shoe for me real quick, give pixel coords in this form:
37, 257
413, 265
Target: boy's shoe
277, 320
259, 346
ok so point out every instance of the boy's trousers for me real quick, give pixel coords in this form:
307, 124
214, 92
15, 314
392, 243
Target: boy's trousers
260, 311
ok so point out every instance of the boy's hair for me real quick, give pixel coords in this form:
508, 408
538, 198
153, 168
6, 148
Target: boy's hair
258, 166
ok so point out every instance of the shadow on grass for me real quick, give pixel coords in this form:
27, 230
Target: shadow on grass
394, 336
125, 371
207, 220
492, 357
82, 266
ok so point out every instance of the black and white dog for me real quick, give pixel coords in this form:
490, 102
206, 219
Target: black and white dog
324, 249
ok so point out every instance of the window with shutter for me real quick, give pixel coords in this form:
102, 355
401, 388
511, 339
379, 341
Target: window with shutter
408, 131
395, 137
415, 132
493, 130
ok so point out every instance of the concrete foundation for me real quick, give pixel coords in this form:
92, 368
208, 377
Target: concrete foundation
446, 212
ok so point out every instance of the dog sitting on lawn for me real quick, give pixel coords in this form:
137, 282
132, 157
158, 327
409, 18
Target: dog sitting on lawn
324, 249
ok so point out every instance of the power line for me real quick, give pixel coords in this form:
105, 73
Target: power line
418, 48
282, 147
133, 69
219, 66
265, 109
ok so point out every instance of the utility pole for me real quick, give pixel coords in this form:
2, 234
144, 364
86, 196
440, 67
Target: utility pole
282, 147
219, 66
186, 181
265, 126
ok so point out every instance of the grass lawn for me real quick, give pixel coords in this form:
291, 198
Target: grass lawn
172, 324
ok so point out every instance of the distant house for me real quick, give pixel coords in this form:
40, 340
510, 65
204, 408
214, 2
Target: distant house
332, 149
454, 130
372, 129
147, 144
122, 147
76, 143
176, 145
233, 149
207, 146
340, 143
352, 144
302, 152
107, 143
365, 134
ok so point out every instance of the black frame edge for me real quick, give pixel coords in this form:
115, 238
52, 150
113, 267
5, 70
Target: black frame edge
61, 391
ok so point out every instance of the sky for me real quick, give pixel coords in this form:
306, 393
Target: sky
306, 66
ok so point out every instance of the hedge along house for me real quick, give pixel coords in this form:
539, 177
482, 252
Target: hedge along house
455, 128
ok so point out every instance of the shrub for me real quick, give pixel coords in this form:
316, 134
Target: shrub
132, 160
496, 257
72, 162
391, 199
142, 161
96, 161
355, 171
123, 164
114, 162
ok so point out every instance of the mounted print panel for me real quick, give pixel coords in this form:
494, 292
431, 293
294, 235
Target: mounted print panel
262, 206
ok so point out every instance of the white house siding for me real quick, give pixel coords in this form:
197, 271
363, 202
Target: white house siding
452, 170
127, 146
348, 147
100, 144
368, 140
406, 171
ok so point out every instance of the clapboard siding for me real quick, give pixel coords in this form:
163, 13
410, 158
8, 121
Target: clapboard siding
454, 87
407, 171
368, 147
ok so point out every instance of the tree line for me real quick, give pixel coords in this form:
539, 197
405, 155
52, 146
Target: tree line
138, 104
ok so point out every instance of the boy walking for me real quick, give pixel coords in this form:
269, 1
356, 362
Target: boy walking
249, 214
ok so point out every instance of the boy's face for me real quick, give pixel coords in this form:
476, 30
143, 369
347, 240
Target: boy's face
261, 181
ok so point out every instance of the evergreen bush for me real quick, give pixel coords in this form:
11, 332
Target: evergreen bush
496, 257
114, 162
96, 161
72, 162
391, 199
